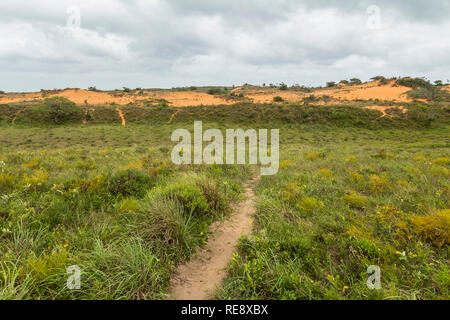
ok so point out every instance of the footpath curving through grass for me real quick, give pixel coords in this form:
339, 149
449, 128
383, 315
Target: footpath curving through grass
125, 215
353, 190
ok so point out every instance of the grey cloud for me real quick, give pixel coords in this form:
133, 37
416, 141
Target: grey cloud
158, 43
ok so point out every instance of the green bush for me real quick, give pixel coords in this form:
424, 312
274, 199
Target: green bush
355, 200
283, 87
214, 91
414, 83
427, 93
381, 79
7, 182
190, 197
423, 89
58, 110
422, 115
216, 198
278, 99
131, 182
310, 205
355, 81
163, 103
165, 221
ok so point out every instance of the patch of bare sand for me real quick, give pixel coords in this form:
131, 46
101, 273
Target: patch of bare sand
80, 96
20, 97
188, 98
198, 279
367, 91
124, 122
372, 91
265, 97
383, 109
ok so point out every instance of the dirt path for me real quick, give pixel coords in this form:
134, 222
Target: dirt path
198, 279
121, 116
173, 116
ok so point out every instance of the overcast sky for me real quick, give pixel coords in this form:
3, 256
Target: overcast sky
167, 43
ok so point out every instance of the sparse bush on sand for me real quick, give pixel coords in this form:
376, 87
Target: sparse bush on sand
278, 99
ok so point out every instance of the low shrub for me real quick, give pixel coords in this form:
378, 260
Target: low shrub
314, 155
326, 173
129, 205
283, 87
43, 268
285, 164
91, 185
356, 177
165, 220
355, 200
310, 205
215, 197
131, 183
442, 161
278, 99
32, 164
58, 110
214, 91
7, 182
35, 181
378, 184
414, 83
355, 81
434, 228
292, 192
190, 197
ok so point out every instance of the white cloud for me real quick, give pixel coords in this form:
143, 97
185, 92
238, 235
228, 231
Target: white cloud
171, 43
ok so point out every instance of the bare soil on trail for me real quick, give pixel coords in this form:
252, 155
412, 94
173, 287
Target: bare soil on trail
124, 122
198, 279
383, 109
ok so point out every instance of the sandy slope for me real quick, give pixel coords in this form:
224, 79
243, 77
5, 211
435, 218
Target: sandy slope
371, 90
80, 96
367, 91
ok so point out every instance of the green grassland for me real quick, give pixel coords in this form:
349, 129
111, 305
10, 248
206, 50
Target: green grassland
353, 190
122, 212
342, 203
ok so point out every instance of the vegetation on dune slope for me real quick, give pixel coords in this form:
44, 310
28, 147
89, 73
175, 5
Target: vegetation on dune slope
418, 114
423, 89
